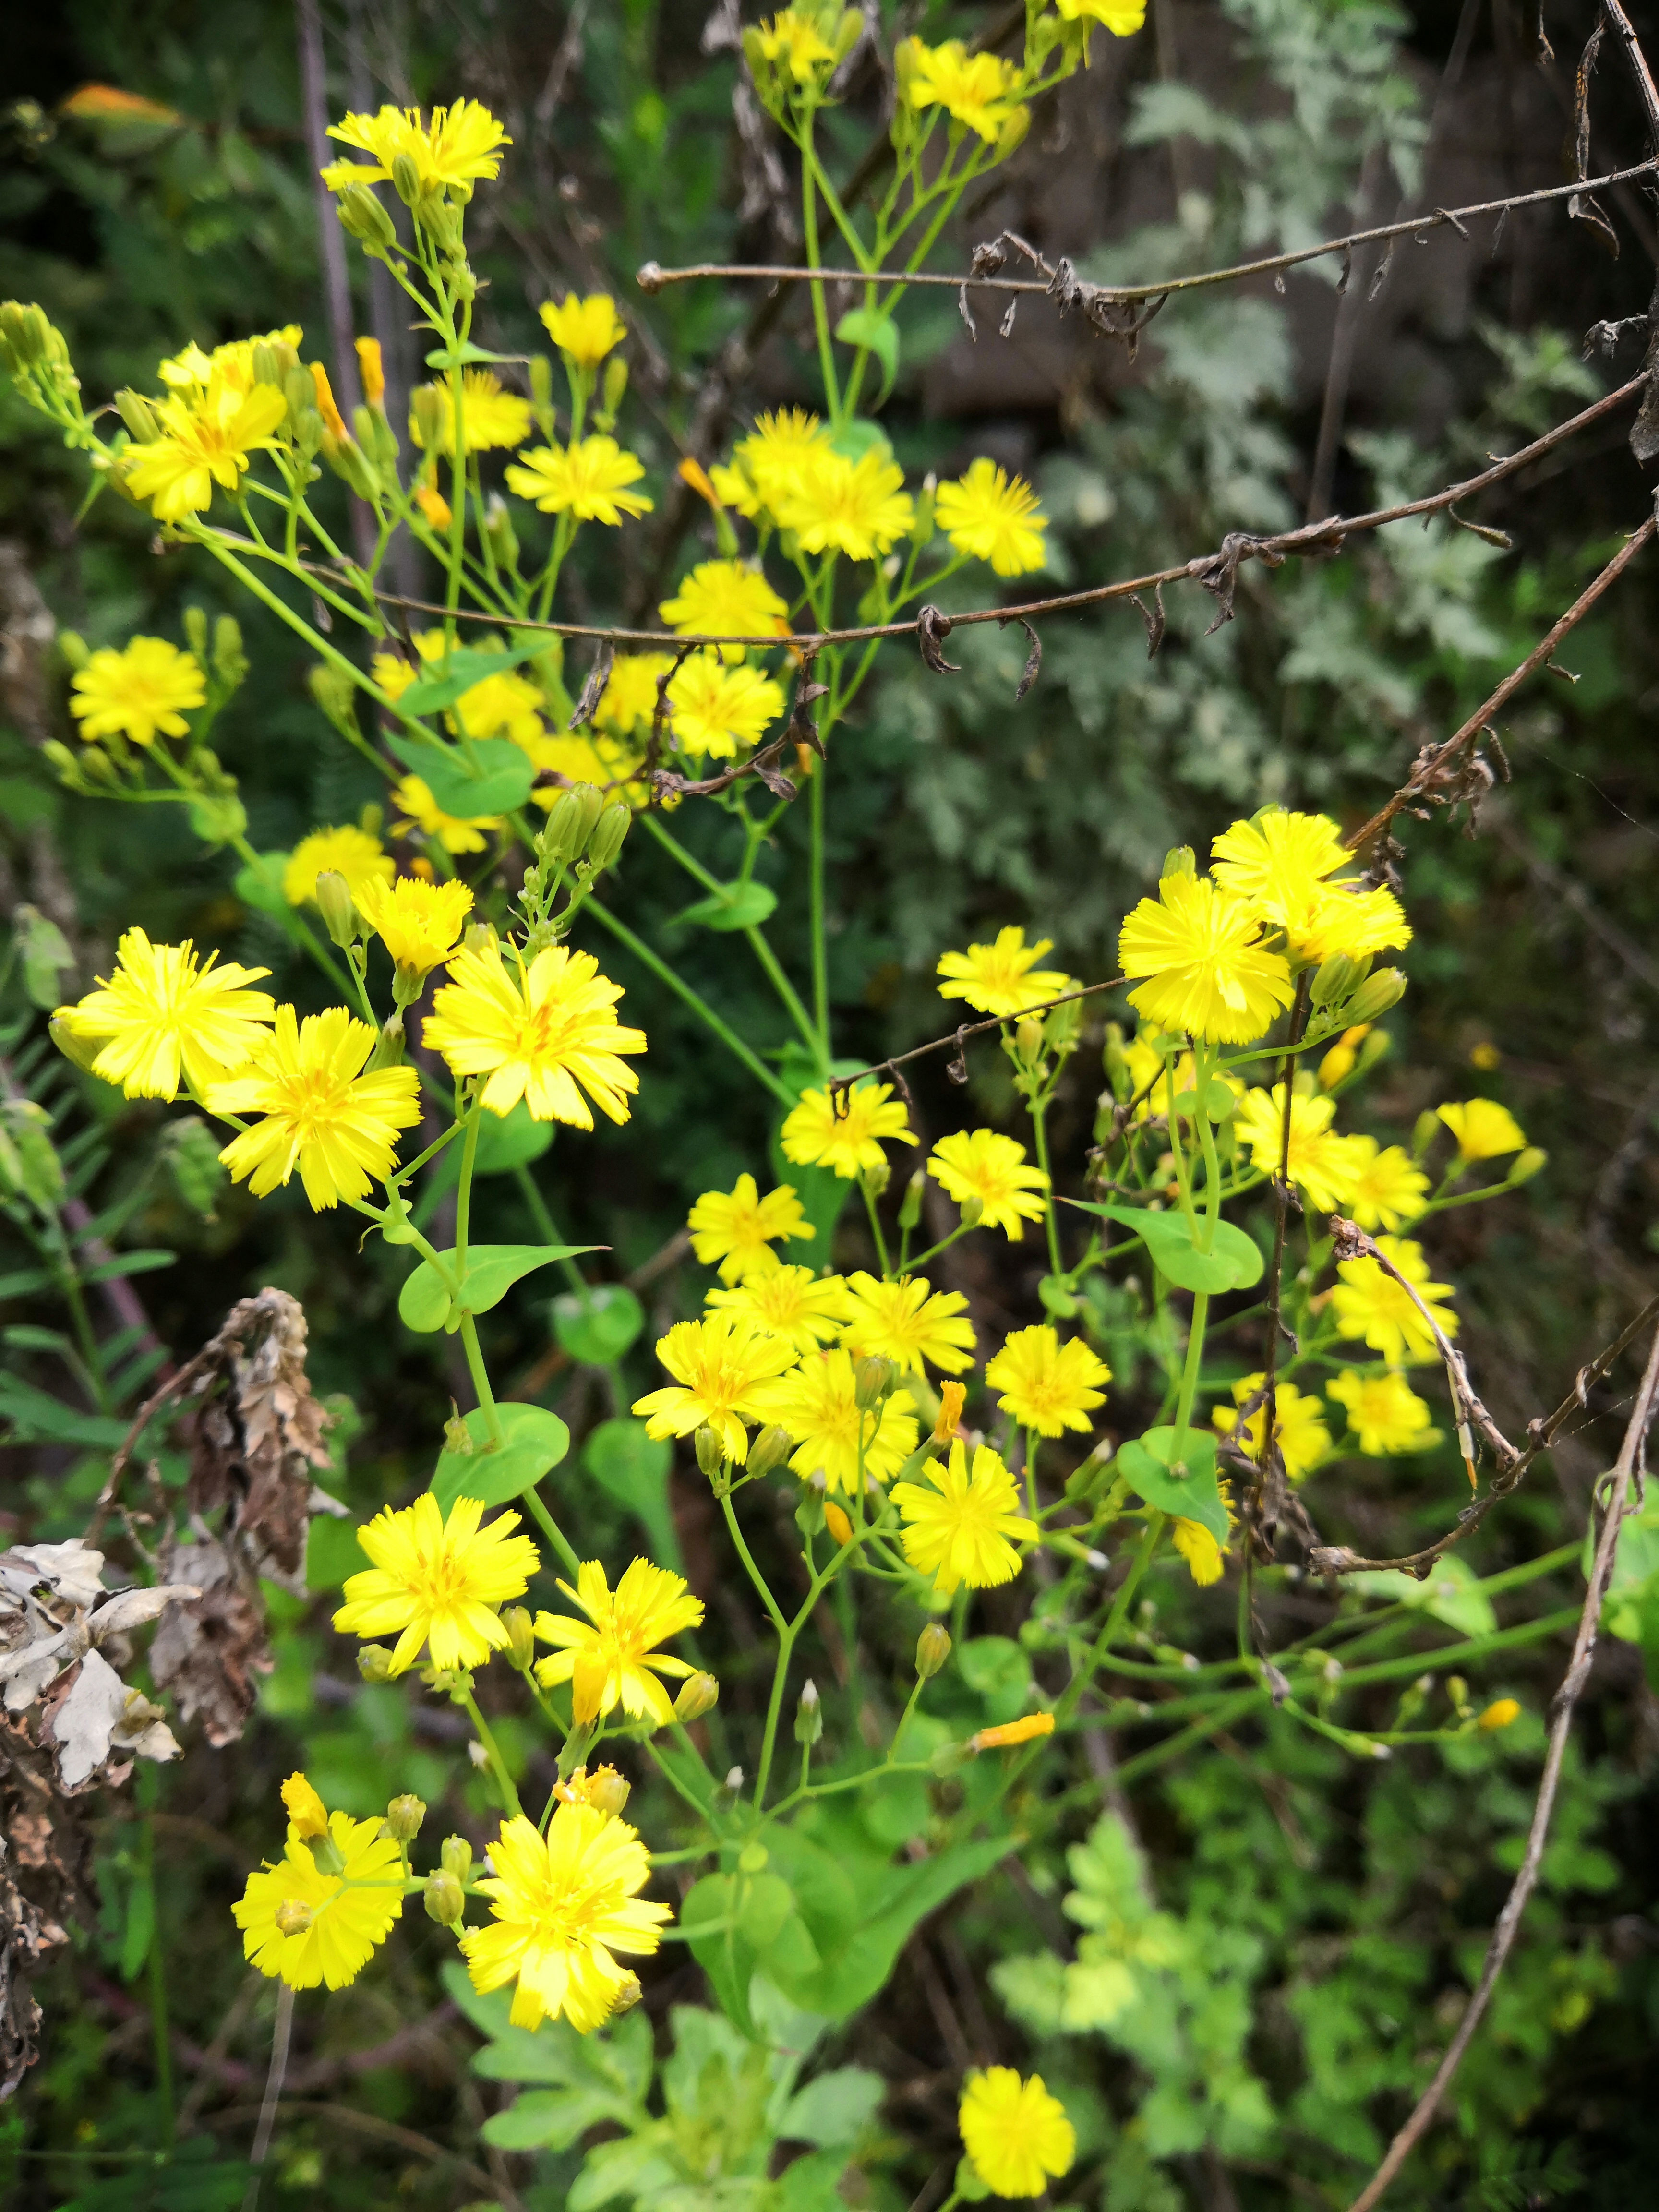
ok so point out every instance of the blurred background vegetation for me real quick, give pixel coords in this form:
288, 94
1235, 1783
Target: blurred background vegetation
1322, 1923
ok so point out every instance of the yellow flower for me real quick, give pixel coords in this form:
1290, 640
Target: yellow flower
737, 1228
322, 1114
192, 370
140, 692
1009, 1733
1123, 18
1047, 1385
770, 458
537, 1033
715, 709
904, 1322
1281, 863
952, 1396
1387, 1188
441, 1583
994, 516
1015, 2135
1384, 1410
1501, 1713
997, 979
979, 90
1207, 972
815, 1135
961, 1525
630, 699
206, 438
320, 1912
794, 39
815, 1403
162, 1011
610, 1658
719, 1364
855, 507
490, 416
981, 1165
459, 146
422, 812
588, 480
371, 370
726, 599
1299, 1427
416, 921
347, 851
1483, 1129
1149, 1054
333, 420
1322, 1164
1372, 1306
563, 1905
803, 1309
1200, 1550
587, 329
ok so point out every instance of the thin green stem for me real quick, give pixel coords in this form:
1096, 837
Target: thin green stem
785, 1633
815, 895
464, 1191
498, 1763
1189, 1373
1039, 1142
683, 991
550, 1528
548, 1230
791, 998
476, 1369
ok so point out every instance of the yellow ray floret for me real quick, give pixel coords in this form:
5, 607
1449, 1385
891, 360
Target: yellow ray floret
994, 516
907, 1324
545, 1034
457, 834
726, 599
612, 1658
318, 1914
460, 145
803, 1309
347, 852
980, 91
161, 1012
836, 506
1483, 1129
588, 480
143, 692
1388, 1189
587, 329
719, 1364
818, 1403
207, 438
1047, 1385
563, 1905
1298, 1425
989, 1169
1385, 1413
1001, 979
417, 922
1324, 1166
320, 1113
844, 1134
438, 1583
1371, 1304
961, 1525
1207, 973
716, 708
737, 1229
491, 416
1016, 2137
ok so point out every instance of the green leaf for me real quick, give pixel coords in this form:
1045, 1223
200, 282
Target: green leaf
493, 777
465, 355
550, 2119
598, 1326
144, 1263
45, 952
423, 1303
507, 1142
1196, 1496
808, 2184
877, 334
332, 1553
996, 1669
1233, 1262
833, 2109
632, 1467
259, 884
1451, 1592
734, 906
456, 677
634, 2166
536, 1440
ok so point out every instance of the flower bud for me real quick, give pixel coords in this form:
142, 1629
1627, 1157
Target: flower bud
873, 1379
521, 1636
374, 1664
389, 1051
1502, 1713
952, 1396
1334, 981
74, 649
363, 217
1179, 861
1424, 1130
910, 1205
629, 1993
477, 937
25, 334
499, 534
698, 1694
770, 1450
973, 1211
230, 662
609, 835
949, 1759
371, 369
571, 823
405, 178
351, 464
541, 391
136, 411
404, 1816
430, 419
443, 1898
837, 1521
457, 1437
933, 1649
613, 387
1527, 1164
1028, 1041
334, 904
711, 1453
456, 1857
873, 1180
300, 394
607, 1790
809, 1715
293, 1916
1376, 994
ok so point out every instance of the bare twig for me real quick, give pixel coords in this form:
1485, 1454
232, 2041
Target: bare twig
841, 1084
1630, 1456
1637, 63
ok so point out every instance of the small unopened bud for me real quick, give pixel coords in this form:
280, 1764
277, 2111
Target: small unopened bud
74, 649
973, 1211
607, 1790
389, 1047
1028, 1041
334, 904
629, 1993
1179, 861
456, 1857
477, 937
609, 835
875, 1180
25, 334
873, 1379
952, 1396
770, 1450
1502, 1713
910, 1205
611, 390
293, 1916
711, 1453
404, 1816
541, 390
499, 534
1424, 1130
1376, 994
698, 1694
405, 178
949, 1759
837, 1521
443, 1897
374, 1664
457, 1437
933, 1649
363, 217
136, 411
571, 820
1334, 981
1527, 1164
809, 1715
521, 1636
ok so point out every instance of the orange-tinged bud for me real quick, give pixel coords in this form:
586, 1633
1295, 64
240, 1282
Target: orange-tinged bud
434, 506
1010, 1732
694, 473
325, 407
306, 1813
837, 1522
1502, 1713
370, 371
952, 1396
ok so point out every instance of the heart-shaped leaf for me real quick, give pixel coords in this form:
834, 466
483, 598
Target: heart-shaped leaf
423, 1303
534, 1441
453, 678
260, 884
494, 776
734, 906
512, 1140
1194, 1495
1233, 1262
598, 1328
878, 334
632, 1467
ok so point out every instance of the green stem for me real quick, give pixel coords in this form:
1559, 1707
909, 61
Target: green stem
774, 1713
498, 1763
475, 1367
791, 998
463, 1192
875, 1226
1039, 1142
815, 891
550, 1528
1189, 1373
785, 1633
683, 991
548, 1230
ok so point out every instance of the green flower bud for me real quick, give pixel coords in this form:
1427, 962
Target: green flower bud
1335, 980
1527, 1164
456, 1857
629, 1993
334, 904
770, 1450
875, 1180
608, 1791
499, 532
571, 821
1028, 1041
521, 1636
933, 1649
404, 1816
949, 1759
698, 1694
973, 1211
230, 662
300, 393
137, 412
873, 1379
711, 1453
1375, 995
809, 1715
541, 391
363, 217
374, 1662
613, 386
609, 835
25, 335
406, 180
443, 1898
1179, 861
910, 1205
75, 649
351, 464
1426, 1127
